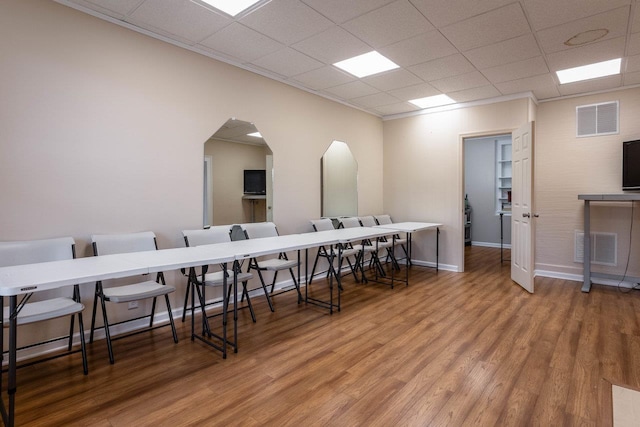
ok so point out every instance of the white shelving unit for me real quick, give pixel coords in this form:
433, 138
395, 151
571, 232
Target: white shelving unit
503, 176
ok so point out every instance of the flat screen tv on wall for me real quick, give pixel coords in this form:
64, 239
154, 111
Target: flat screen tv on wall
631, 165
255, 181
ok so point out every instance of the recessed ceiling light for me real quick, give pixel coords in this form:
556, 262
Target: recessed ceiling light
432, 101
591, 71
231, 7
366, 64
255, 134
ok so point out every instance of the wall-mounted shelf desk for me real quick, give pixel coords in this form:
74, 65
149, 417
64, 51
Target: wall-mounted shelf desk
588, 198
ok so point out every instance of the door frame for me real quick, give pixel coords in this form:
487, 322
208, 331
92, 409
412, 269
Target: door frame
461, 177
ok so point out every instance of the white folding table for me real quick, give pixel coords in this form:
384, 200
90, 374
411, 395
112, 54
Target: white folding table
411, 227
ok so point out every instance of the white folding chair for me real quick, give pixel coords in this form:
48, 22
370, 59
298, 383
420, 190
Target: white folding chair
107, 244
383, 243
213, 235
323, 224
359, 250
49, 304
268, 229
399, 240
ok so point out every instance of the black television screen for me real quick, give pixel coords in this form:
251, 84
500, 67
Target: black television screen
631, 165
255, 181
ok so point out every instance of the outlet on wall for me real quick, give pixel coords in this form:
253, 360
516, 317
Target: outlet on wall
133, 304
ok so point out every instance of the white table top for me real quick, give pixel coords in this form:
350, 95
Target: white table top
175, 258
410, 227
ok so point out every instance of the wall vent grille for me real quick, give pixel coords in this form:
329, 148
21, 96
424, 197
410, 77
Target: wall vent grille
604, 248
597, 119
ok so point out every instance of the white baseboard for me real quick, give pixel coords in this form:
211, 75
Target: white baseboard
580, 278
490, 245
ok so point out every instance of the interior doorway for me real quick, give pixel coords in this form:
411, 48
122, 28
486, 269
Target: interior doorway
487, 194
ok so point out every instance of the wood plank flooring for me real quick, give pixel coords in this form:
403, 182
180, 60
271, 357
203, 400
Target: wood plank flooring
451, 349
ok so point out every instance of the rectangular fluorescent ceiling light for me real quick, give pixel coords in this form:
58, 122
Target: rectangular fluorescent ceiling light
591, 71
366, 64
432, 101
231, 7
255, 134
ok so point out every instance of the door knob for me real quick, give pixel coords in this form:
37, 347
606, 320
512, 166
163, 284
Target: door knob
536, 215
526, 215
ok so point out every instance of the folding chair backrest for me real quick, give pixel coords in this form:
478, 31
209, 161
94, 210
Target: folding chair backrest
259, 230
34, 251
106, 244
383, 219
368, 221
217, 234
322, 224
350, 222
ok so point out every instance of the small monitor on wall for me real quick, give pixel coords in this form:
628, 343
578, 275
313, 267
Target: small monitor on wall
631, 165
255, 181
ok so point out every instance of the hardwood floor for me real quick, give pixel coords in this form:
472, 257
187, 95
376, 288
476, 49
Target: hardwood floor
451, 349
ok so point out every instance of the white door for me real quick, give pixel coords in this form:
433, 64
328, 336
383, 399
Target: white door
522, 230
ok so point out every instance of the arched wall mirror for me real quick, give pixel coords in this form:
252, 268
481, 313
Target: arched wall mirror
339, 171
238, 176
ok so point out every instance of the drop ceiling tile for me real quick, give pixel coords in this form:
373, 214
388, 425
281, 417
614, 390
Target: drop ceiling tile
543, 86
332, 45
375, 100
418, 49
498, 25
352, 90
461, 82
588, 54
516, 70
414, 92
615, 22
323, 78
634, 44
635, 25
394, 79
591, 85
442, 67
549, 13
287, 62
182, 18
241, 42
632, 78
340, 11
115, 8
444, 12
287, 21
402, 107
633, 64
389, 24
516, 49
474, 94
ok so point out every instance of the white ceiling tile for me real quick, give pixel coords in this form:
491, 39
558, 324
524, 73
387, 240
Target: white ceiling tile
394, 79
543, 86
324, 77
588, 54
591, 85
474, 94
375, 100
116, 7
549, 13
414, 92
287, 21
614, 22
442, 67
516, 49
418, 49
634, 44
632, 78
461, 82
287, 62
445, 12
332, 45
183, 18
241, 42
402, 107
516, 70
352, 90
340, 11
389, 24
633, 64
500, 24
635, 25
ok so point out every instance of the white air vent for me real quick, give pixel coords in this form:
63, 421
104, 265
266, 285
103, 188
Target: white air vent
603, 248
597, 119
